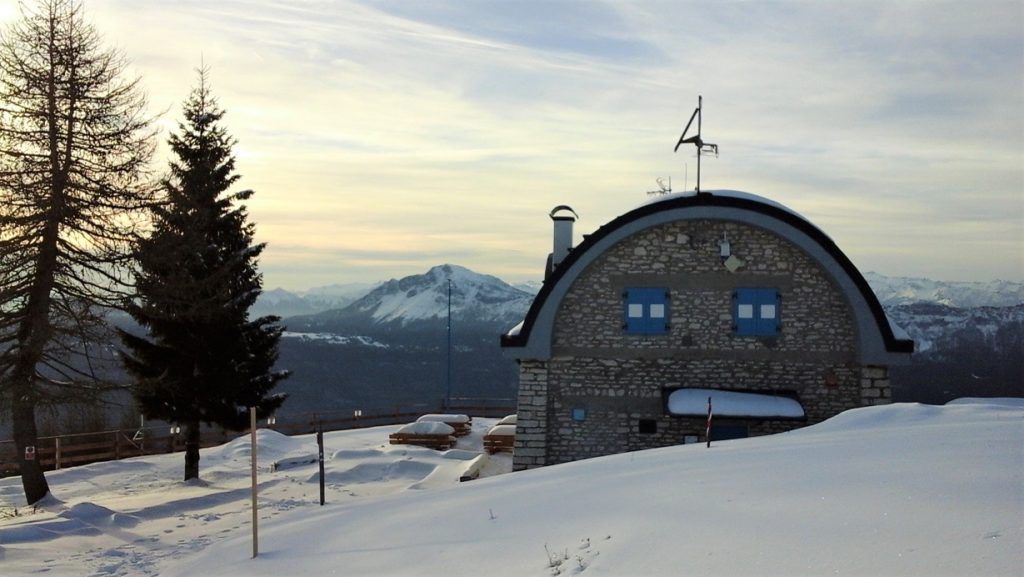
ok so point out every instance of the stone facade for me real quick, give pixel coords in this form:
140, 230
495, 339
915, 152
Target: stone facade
604, 391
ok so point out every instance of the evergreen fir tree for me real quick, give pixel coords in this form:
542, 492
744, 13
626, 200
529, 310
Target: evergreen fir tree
204, 361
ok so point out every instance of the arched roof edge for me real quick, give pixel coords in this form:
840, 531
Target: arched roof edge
558, 283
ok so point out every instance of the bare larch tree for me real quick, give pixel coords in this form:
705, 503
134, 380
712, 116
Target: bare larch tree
75, 141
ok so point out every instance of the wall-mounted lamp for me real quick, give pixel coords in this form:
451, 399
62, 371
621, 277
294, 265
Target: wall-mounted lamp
357, 413
271, 420
724, 249
175, 430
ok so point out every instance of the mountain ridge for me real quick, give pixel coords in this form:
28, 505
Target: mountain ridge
891, 291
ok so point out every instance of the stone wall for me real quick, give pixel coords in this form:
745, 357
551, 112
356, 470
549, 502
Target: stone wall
621, 381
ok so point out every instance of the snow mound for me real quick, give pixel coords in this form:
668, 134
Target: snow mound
378, 472
874, 418
1008, 402
460, 454
272, 446
99, 516
927, 490
350, 454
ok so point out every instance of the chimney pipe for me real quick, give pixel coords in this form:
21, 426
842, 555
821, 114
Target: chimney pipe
562, 234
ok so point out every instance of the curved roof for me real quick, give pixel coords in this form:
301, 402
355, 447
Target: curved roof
877, 343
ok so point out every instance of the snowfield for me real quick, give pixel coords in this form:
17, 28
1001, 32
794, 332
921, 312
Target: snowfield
903, 489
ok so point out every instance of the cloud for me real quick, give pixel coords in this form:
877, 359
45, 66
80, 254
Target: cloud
383, 134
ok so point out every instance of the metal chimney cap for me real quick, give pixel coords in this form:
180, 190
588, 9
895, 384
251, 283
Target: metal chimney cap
560, 208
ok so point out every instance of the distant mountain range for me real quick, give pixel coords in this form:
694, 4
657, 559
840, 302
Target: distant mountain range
893, 291
358, 343
383, 346
389, 343
423, 300
927, 310
284, 303
407, 299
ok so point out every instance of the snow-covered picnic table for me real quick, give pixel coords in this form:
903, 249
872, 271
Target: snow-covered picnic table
462, 424
432, 434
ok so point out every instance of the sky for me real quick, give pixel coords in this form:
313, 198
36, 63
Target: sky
384, 137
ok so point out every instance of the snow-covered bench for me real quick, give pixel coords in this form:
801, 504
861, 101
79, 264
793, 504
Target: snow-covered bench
460, 423
500, 438
433, 435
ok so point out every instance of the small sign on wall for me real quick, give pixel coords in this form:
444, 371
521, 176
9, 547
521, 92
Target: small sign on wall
30, 453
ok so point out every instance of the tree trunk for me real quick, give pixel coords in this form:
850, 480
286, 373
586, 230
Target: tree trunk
33, 333
191, 450
24, 428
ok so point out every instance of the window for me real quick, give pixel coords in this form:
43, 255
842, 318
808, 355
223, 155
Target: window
646, 311
647, 426
756, 312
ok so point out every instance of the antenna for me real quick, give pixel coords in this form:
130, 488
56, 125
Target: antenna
662, 187
702, 147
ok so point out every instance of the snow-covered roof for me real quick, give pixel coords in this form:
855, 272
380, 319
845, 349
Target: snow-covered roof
515, 330
737, 194
686, 402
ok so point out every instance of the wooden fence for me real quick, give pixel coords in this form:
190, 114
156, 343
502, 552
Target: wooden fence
61, 451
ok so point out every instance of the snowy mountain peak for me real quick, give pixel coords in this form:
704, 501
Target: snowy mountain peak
893, 291
419, 297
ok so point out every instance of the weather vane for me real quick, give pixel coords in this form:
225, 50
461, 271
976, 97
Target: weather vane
702, 147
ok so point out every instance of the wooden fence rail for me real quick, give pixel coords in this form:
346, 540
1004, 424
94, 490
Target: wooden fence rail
60, 451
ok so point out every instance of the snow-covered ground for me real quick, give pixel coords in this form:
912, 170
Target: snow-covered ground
334, 339
903, 489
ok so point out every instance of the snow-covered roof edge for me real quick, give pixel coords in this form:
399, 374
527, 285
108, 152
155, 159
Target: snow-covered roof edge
737, 194
877, 344
688, 402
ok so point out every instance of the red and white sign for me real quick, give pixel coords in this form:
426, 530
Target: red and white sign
707, 432
30, 453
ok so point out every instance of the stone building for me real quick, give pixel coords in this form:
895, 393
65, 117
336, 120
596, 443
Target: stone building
720, 294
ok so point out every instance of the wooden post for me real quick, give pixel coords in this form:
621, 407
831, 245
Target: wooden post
117, 446
56, 455
255, 519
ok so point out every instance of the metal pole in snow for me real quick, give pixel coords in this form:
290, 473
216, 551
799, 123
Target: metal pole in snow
707, 432
320, 458
252, 440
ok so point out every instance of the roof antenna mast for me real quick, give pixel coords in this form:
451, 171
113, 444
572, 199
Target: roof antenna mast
703, 148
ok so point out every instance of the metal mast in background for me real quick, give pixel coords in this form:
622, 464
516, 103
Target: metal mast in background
448, 389
702, 147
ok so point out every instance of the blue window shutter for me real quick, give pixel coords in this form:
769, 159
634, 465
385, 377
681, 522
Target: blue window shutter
745, 311
768, 312
646, 311
757, 312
